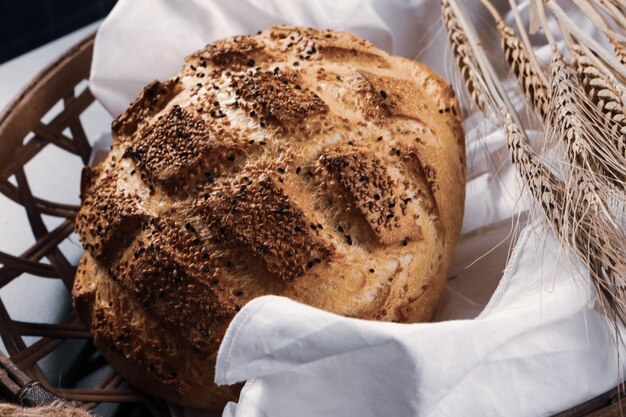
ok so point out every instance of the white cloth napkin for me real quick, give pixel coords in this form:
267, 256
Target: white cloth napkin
534, 346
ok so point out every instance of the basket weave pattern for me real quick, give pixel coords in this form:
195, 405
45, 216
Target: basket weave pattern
23, 135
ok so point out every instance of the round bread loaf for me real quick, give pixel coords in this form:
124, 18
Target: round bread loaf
298, 162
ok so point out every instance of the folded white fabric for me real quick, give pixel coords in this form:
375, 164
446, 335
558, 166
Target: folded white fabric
538, 347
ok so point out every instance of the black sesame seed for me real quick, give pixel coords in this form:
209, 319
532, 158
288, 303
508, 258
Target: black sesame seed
298, 169
231, 158
238, 293
405, 242
380, 138
215, 281
372, 270
319, 226
390, 216
309, 264
250, 62
281, 170
383, 94
349, 239
376, 197
251, 141
288, 254
216, 103
296, 63
340, 228
363, 178
297, 229
314, 227
262, 142
397, 152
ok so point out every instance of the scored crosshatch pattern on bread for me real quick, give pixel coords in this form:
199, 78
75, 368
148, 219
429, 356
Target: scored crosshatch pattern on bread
297, 162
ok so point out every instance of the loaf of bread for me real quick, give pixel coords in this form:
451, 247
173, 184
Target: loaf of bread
298, 162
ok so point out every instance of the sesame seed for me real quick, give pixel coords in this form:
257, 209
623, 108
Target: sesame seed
340, 228
376, 197
296, 63
349, 239
383, 94
372, 270
298, 169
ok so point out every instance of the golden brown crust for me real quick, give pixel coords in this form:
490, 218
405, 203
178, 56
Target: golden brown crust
297, 162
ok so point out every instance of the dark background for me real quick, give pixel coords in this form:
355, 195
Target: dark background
27, 24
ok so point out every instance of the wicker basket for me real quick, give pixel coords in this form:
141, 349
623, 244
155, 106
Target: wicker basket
23, 135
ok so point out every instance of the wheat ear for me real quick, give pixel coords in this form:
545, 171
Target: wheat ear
619, 48
527, 74
465, 62
522, 64
586, 150
603, 91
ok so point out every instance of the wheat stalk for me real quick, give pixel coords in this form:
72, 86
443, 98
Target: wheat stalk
575, 210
